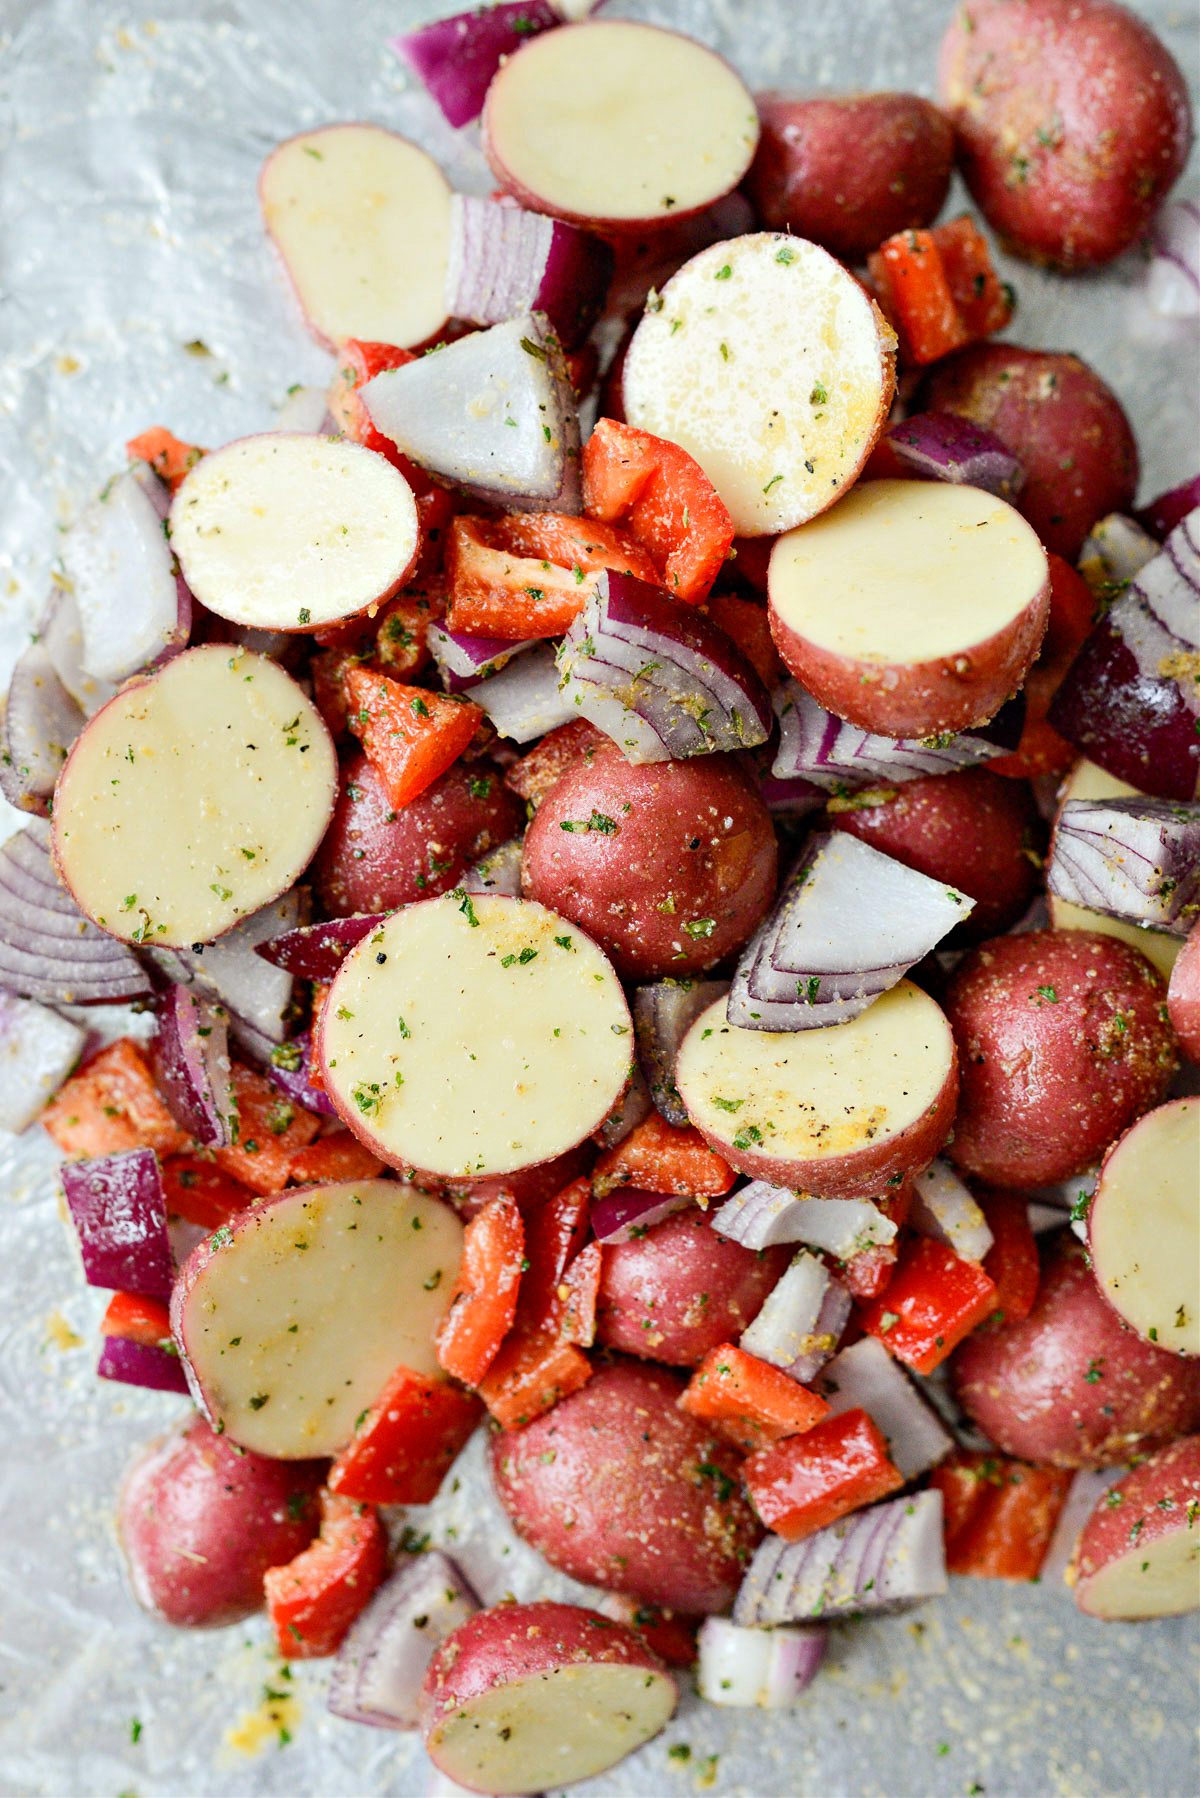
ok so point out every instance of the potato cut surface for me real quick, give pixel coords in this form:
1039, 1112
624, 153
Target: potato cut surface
293, 1318
1160, 1580
473, 1036
1144, 1227
907, 571
1087, 781
361, 218
613, 121
767, 362
815, 1094
194, 798
288, 532
545, 1732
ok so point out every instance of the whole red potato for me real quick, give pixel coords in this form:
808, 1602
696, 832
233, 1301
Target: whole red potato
619, 1487
972, 830
680, 1290
848, 170
1072, 121
201, 1521
374, 857
670, 866
1071, 1384
1059, 418
1063, 1041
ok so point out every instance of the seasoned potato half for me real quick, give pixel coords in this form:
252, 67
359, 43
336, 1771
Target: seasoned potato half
1144, 1226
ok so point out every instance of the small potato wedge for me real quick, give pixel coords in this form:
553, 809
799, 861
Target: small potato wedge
1139, 1552
1144, 1226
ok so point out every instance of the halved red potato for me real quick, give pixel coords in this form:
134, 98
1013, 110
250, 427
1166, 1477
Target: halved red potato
1139, 1552
767, 362
193, 798
527, 1697
1087, 781
473, 1035
361, 218
914, 608
1183, 995
840, 1112
1144, 1226
285, 532
617, 124
292, 1317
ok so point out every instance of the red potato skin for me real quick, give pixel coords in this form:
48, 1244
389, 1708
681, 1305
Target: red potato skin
1064, 423
608, 1487
681, 1290
1156, 1499
1183, 996
374, 857
1048, 1082
1072, 120
694, 846
973, 831
1071, 1384
528, 1187
848, 170
201, 1521
919, 699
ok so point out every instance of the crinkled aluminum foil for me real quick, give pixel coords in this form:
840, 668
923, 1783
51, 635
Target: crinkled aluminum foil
136, 287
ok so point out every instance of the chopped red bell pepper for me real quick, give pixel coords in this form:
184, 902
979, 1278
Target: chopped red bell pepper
746, 623
271, 1131
409, 735
531, 1372
665, 501
167, 455
320, 992
483, 1305
200, 1192
136, 1319
985, 303
577, 1296
933, 1300
661, 1157
1012, 1261
313, 1600
112, 1104
1072, 615
673, 1638
402, 636
555, 1231
404, 1444
915, 294
752, 1403
801, 1484
338, 1156
999, 1514
495, 592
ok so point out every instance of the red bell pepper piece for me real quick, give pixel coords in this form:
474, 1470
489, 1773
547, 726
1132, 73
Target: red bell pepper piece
1072, 615
1012, 1261
753, 1403
402, 636
167, 455
483, 1304
933, 1300
112, 1104
915, 295
577, 1297
313, 1600
338, 1156
673, 1638
984, 302
200, 1192
746, 622
801, 1484
555, 1231
271, 1131
665, 501
136, 1319
496, 592
410, 735
404, 1444
999, 1514
530, 1373
660, 1157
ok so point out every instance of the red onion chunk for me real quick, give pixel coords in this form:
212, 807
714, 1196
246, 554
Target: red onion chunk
504, 260
60, 634
498, 872
524, 700
631, 1109
1134, 859
48, 950
786, 1327
141, 1364
865, 1377
759, 1216
317, 951
662, 1015
286, 1066
259, 992
463, 660
1168, 509
767, 1668
827, 1332
120, 1216
190, 1055
41, 721
949, 448
627, 1212
493, 413
816, 746
943, 1208
882, 1559
121, 570
658, 677
457, 57
381, 1664
1173, 278
38, 1049
1114, 551
794, 798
